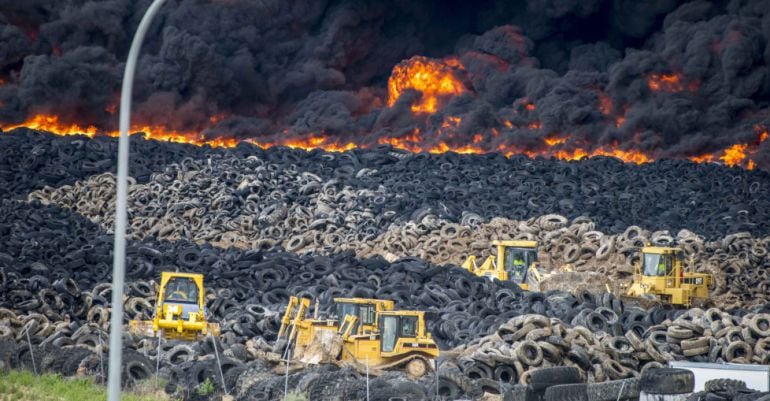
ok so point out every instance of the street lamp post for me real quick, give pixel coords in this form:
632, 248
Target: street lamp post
119, 253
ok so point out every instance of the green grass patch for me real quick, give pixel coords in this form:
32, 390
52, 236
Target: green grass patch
295, 396
206, 388
25, 386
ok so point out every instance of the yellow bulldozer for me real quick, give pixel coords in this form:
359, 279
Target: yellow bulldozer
370, 333
660, 277
180, 310
515, 261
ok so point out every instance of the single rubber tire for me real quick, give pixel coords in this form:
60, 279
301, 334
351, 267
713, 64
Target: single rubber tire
609, 391
715, 385
667, 381
567, 392
540, 379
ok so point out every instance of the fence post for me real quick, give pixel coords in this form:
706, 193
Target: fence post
157, 362
31, 354
367, 378
219, 363
286, 380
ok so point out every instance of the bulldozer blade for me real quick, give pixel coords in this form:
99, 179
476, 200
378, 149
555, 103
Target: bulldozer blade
141, 328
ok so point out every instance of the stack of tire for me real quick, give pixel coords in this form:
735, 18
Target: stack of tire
463, 307
248, 289
265, 202
195, 209
327, 221
708, 199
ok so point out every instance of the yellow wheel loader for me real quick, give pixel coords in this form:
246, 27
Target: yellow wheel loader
660, 277
180, 312
515, 261
365, 332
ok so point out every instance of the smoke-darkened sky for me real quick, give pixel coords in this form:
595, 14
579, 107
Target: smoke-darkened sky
666, 78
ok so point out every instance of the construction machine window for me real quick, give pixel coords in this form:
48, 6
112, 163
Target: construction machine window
657, 264
517, 261
408, 327
344, 327
368, 314
346, 309
181, 289
389, 333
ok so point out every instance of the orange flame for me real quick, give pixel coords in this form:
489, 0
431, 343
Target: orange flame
734, 155
410, 142
739, 154
311, 142
628, 156
52, 124
671, 83
443, 147
435, 79
605, 103
553, 141
707, 158
665, 83
451, 122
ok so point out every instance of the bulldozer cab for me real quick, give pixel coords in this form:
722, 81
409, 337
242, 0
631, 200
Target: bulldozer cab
181, 290
404, 332
660, 262
517, 261
365, 310
395, 327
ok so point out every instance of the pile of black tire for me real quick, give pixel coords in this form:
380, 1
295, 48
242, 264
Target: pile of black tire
43, 247
55, 265
709, 199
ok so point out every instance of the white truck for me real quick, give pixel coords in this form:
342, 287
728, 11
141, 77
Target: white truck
756, 377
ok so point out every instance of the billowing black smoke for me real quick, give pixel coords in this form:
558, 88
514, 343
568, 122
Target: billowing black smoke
666, 78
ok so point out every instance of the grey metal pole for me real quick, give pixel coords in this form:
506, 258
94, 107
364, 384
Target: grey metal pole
157, 360
435, 369
119, 261
31, 354
101, 357
367, 378
286, 380
219, 363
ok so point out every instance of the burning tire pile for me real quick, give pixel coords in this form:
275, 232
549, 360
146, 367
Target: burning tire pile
263, 225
